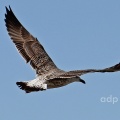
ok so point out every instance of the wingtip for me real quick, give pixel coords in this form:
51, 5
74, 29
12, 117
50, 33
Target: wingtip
114, 68
117, 66
8, 8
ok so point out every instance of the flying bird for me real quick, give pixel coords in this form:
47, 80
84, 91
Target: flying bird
48, 74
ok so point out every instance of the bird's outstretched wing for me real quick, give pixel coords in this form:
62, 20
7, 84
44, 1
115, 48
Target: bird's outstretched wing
114, 68
28, 46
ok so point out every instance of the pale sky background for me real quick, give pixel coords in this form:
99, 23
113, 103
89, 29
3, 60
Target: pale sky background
77, 34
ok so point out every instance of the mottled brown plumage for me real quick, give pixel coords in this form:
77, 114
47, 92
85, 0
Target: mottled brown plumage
48, 75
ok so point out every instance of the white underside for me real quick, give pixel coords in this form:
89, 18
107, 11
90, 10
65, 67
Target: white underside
37, 83
43, 84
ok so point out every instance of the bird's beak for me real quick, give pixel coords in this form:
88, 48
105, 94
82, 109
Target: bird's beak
81, 80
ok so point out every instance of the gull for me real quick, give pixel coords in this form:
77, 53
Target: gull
48, 74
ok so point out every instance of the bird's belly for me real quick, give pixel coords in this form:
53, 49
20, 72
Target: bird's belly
57, 83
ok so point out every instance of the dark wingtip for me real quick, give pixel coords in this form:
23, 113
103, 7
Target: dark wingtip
114, 68
8, 9
117, 66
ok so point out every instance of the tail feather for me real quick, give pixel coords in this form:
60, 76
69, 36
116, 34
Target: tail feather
21, 85
24, 86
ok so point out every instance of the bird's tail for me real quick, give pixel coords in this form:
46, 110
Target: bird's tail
23, 86
27, 88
